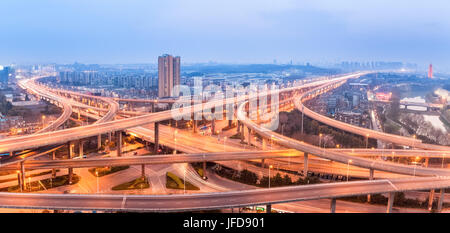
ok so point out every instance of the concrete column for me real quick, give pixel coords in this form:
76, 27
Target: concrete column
249, 136
426, 161
264, 144
80, 148
119, 143
213, 125
22, 175
153, 107
99, 142
441, 200
242, 133
109, 137
305, 164
262, 163
70, 170
155, 150
371, 171
390, 202
430, 200
204, 169
230, 123
19, 181
53, 170
269, 209
194, 123
143, 171
333, 205
146, 145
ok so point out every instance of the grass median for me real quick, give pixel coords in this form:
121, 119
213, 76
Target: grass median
44, 184
139, 183
103, 171
175, 182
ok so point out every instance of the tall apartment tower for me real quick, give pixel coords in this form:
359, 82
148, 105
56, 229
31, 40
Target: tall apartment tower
168, 74
430, 71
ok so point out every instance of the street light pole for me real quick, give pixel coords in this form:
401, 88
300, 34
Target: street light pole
442, 166
184, 180
348, 166
367, 141
96, 175
270, 166
224, 140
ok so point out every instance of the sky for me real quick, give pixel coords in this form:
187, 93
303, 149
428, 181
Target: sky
226, 31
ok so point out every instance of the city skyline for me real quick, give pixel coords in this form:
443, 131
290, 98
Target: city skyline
227, 106
136, 32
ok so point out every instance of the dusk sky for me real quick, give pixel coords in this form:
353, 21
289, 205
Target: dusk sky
231, 31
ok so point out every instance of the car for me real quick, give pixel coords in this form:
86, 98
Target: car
81, 157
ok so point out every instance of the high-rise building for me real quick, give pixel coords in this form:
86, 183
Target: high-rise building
168, 74
430, 71
6, 73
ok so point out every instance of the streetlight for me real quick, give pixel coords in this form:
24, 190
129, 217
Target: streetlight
224, 140
442, 166
184, 180
348, 166
175, 151
270, 167
367, 140
43, 119
320, 140
96, 175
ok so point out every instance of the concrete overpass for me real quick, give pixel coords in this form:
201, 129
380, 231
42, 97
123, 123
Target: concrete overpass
209, 201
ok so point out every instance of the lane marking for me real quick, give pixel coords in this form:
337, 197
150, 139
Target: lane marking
392, 184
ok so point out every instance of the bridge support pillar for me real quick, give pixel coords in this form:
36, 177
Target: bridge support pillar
371, 171
249, 136
269, 208
430, 200
263, 163
305, 164
426, 161
204, 169
155, 149
441, 200
22, 176
264, 144
99, 142
230, 122
119, 143
194, 125
19, 181
153, 107
390, 202
80, 148
54, 170
213, 126
143, 170
242, 133
333, 206
109, 137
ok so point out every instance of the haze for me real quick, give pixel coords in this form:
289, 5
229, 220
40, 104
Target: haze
231, 31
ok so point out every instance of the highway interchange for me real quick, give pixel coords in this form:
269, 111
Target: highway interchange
436, 177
